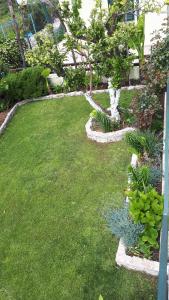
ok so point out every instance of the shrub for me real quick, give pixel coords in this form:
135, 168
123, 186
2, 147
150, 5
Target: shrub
10, 54
155, 175
127, 116
134, 140
75, 79
144, 106
104, 121
146, 208
144, 177
120, 224
144, 143
157, 66
46, 53
140, 177
151, 143
28, 83
78, 79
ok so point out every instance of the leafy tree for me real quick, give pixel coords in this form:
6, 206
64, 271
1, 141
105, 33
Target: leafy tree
17, 31
46, 52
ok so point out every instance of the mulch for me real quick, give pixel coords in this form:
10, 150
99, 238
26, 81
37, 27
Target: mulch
3, 116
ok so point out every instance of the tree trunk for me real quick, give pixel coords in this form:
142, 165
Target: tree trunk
114, 100
91, 79
17, 32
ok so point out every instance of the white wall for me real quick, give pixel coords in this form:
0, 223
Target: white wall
153, 23
87, 6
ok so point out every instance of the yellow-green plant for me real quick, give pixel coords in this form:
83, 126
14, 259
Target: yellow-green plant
146, 208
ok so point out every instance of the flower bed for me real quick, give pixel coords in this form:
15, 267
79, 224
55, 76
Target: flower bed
105, 137
133, 262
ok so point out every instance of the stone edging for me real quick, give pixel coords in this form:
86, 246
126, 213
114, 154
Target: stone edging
135, 263
18, 104
52, 97
107, 137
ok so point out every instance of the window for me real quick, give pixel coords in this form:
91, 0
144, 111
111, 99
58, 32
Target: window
130, 16
110, 2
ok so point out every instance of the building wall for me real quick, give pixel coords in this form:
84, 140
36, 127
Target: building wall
153, 23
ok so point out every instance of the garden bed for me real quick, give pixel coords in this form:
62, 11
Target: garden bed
130, 261
3, 116
108, 137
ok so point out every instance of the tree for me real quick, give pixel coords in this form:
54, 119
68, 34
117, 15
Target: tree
58, 14
17, 31
102, 44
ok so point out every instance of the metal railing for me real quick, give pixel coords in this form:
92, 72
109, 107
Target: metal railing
163, 276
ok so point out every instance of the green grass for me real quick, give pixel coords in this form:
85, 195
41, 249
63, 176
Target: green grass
125, 98
54, 244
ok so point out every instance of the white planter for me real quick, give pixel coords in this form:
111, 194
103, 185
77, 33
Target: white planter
135, 263
55, 80
108, 137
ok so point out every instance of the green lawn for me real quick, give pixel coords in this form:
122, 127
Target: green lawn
125, 98
55, 186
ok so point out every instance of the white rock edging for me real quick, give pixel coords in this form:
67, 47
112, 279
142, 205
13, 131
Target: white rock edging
107, 137
18, 104
135, 263
53, 97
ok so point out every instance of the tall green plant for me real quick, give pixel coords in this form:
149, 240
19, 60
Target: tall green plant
104, 121
144, 143
146, 208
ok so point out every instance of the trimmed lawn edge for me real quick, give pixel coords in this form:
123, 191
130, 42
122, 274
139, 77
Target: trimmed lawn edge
55, 97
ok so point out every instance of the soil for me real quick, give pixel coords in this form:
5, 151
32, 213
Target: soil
3, 116
97, 127
154, 257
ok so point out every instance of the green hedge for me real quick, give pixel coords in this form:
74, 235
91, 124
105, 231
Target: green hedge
26, 84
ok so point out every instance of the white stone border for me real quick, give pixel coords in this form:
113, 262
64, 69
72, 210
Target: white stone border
18, 104
135, 263
53, 97
108, 137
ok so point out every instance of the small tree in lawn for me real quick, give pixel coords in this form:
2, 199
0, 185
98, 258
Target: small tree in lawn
81, 39
104, 44
110, 53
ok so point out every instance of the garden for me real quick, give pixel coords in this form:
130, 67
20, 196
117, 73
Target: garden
81, 156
